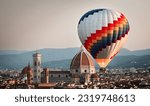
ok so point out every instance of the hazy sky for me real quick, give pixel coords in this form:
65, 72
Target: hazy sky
35, 24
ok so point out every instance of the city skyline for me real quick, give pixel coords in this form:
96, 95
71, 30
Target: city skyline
82, 74
35, 24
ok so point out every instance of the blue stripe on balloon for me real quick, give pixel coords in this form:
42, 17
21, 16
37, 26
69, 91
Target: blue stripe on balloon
90, 13
114, 38
97, 46
109, 39
119, 33
104, 42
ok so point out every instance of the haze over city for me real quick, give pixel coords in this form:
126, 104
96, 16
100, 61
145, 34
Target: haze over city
36, 24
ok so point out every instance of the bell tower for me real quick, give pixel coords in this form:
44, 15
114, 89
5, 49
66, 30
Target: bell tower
37, 68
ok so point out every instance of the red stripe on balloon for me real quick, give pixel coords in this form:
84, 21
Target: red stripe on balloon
94, 37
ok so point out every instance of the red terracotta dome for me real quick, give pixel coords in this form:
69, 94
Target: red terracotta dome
27, 70
24, 71
81, 59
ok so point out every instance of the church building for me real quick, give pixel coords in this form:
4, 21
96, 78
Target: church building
82, 70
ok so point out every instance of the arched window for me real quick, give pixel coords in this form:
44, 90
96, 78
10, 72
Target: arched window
59, 76
76, 71
51, 75
66, 76
85, 71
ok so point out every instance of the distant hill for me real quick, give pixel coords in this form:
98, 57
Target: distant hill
126, 52
62, 57
18, 61
119, 61
141, 52
130, 61
7, 52
65, 64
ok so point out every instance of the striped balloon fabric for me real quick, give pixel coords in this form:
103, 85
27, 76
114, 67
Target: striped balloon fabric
103, 33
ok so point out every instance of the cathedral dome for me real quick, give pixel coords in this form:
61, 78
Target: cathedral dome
82, 62
27, 70
24, 71
82, 58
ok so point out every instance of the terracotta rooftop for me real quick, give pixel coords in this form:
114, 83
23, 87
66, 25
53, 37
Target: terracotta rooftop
82, 59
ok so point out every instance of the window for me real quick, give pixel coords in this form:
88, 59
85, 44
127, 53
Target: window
51, 75
66, 76
38, 63
85, 71
35, 63
76, 70
59, 76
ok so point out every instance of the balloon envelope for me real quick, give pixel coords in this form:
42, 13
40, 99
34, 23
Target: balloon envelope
103, 33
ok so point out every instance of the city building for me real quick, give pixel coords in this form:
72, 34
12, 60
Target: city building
37, 67
82, 74
27, 74
81, 70
82, 67
51, 75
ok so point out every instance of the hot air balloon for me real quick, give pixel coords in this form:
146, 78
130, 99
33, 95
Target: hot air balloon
103, 32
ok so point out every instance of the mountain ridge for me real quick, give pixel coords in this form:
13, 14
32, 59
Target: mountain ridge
55, 56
